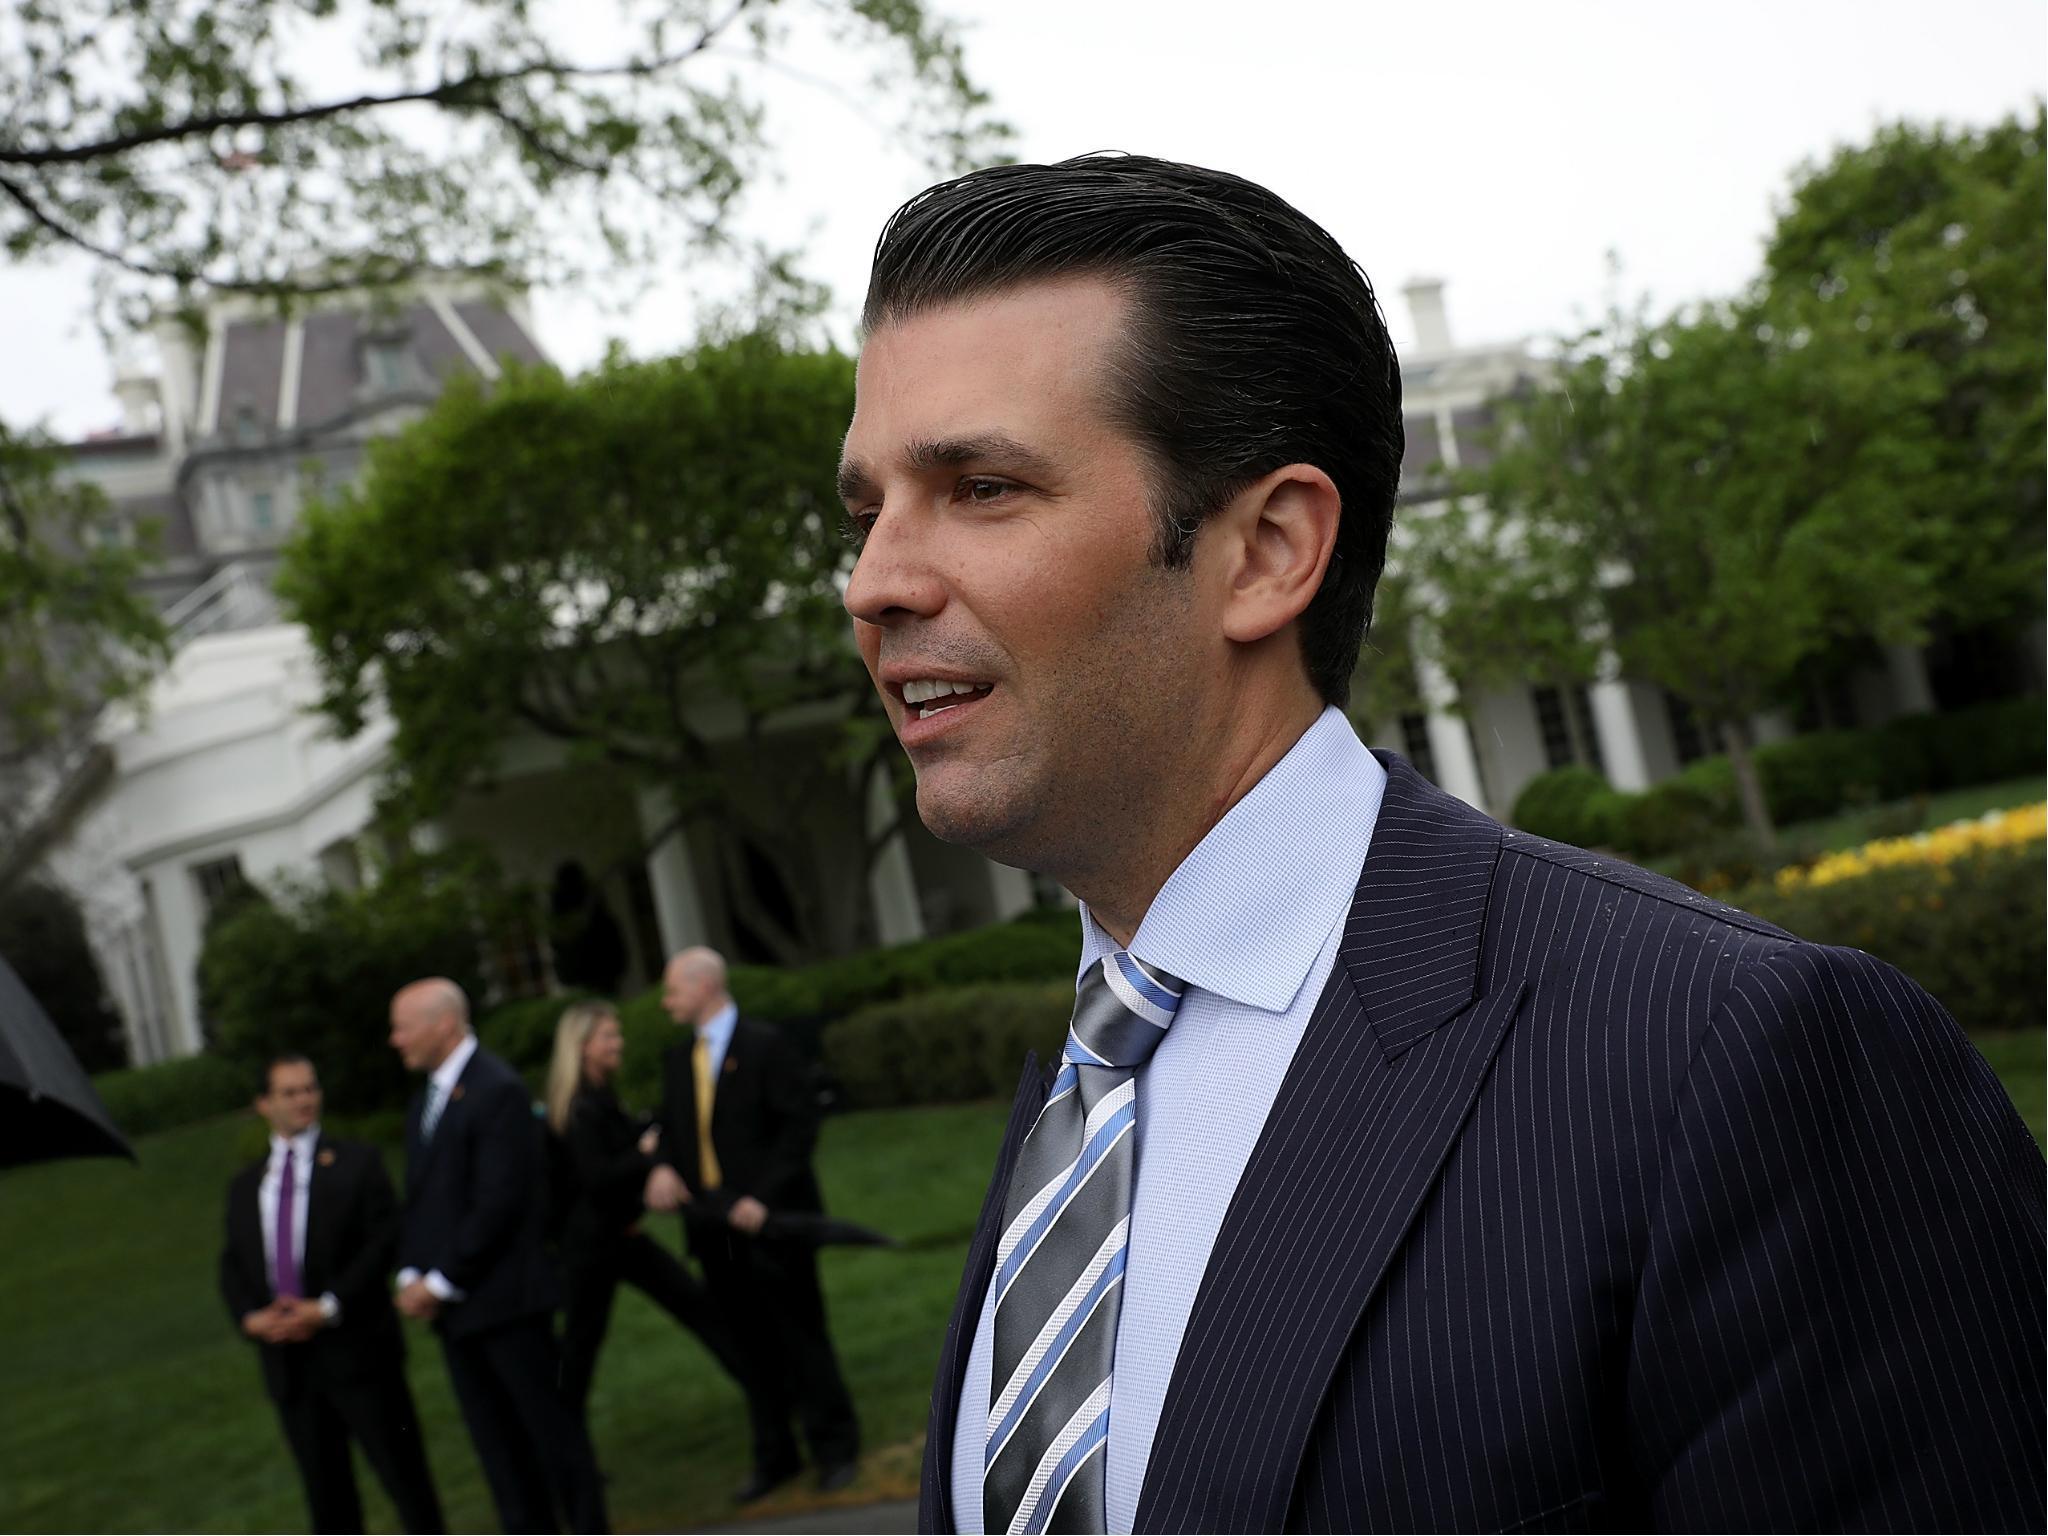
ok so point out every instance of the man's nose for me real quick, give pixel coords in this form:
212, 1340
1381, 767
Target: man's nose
895, 580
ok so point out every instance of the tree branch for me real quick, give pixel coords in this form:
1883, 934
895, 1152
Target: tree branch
448, 93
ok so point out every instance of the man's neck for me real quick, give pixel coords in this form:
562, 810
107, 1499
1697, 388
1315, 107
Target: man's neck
1121, 890
710, 1014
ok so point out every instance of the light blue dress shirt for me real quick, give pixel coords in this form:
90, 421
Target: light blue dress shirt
1251, 921
717, 1030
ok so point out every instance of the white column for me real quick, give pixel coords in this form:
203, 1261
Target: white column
1009, 889
891, 885
1621, 737
1450, 739
1912, 693
672, 875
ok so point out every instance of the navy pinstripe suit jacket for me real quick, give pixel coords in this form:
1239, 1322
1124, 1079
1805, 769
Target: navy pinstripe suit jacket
1589, 1203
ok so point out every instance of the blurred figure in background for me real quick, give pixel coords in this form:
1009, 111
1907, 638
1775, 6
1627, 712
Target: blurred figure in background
311, 1292
588, 944
608, 1158
739, 1120
473, 1265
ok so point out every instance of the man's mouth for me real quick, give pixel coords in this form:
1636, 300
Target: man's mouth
925, 697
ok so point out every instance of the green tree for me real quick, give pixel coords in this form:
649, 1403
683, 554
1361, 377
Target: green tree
1932, 241
74, 634
42, 935
1718, 500
607, 561
295, 147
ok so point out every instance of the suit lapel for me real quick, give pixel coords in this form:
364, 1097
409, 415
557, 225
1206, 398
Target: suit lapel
936, 1494
1376, 1093
320, 1203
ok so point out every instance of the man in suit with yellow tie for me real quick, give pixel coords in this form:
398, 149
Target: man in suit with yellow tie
739, 1121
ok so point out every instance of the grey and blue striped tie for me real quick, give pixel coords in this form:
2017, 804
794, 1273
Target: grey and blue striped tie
1060, 1262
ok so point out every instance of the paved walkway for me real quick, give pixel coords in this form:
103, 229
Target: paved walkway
890, 1519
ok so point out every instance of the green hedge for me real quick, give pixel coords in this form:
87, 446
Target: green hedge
174, 1093
1974, 932
1804, 778
943, 1047
1042, 946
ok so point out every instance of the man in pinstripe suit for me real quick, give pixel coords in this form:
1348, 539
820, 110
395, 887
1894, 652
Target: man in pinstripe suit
1400, 1171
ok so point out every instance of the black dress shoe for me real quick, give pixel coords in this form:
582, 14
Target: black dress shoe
837, 1476
761, 1484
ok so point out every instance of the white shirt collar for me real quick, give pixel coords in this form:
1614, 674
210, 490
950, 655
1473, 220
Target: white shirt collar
720, 1025
1247, 912
447, 1074
302, 1145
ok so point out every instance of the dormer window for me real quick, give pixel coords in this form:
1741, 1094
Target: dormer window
387, 364
246, 428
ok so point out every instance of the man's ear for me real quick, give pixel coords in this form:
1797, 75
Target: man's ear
1275, 539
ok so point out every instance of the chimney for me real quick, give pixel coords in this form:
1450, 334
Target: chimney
141, 404
1425, 296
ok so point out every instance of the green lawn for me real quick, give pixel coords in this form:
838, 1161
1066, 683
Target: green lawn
129, 1405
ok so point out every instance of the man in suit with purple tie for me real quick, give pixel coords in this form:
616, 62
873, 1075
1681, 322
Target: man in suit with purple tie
305, 1271
1399, 1171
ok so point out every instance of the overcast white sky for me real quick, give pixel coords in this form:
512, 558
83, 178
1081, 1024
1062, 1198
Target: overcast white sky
1504, 147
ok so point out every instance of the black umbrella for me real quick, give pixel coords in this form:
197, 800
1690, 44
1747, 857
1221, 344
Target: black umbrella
812, 1228
48, 1107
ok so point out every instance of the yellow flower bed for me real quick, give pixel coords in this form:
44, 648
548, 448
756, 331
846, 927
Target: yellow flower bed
1995, 829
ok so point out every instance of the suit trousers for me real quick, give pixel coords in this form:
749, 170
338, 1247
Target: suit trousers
377, 1409
590, 1282
768, 1292
535, 1454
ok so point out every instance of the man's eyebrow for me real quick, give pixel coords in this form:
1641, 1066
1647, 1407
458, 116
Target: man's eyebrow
855, 483
980, 448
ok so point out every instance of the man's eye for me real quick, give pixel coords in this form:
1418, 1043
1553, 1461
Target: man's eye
980, 488
858, 525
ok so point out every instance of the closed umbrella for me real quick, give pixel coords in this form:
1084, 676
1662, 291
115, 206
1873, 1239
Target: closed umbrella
48, 1108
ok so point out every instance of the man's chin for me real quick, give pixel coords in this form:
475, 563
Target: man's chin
957, 810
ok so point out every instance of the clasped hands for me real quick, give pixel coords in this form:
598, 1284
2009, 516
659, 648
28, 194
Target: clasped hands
287, 1320
666, 1191
416, 1299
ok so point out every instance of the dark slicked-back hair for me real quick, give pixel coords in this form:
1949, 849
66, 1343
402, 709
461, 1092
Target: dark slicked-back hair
1254, 342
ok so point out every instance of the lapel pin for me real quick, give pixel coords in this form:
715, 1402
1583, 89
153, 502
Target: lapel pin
326, 1157
455, 1094
730, 1063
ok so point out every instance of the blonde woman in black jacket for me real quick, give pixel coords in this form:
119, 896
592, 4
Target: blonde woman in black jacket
608, 1158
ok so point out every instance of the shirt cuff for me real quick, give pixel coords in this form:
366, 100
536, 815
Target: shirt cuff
406, 1276
443, 1287
330, 1309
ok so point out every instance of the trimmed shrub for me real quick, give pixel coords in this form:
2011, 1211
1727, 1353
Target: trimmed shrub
1818, 774
943, 1047
144, 1100
1973, 932
1572, 804
1664, 818
523, 1032
313, 970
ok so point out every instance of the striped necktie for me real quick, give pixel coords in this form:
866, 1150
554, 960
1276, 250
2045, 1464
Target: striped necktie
1060, 1262
430, 1117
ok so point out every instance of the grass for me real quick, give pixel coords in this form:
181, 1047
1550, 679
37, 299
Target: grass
2020, 1058
130, 1405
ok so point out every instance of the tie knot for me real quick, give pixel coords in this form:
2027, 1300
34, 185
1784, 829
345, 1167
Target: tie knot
1121, 1012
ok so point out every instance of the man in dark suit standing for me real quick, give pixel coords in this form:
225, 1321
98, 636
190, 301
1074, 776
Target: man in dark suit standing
1400, 1171
471, 1263
739, 1121
311, 1229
